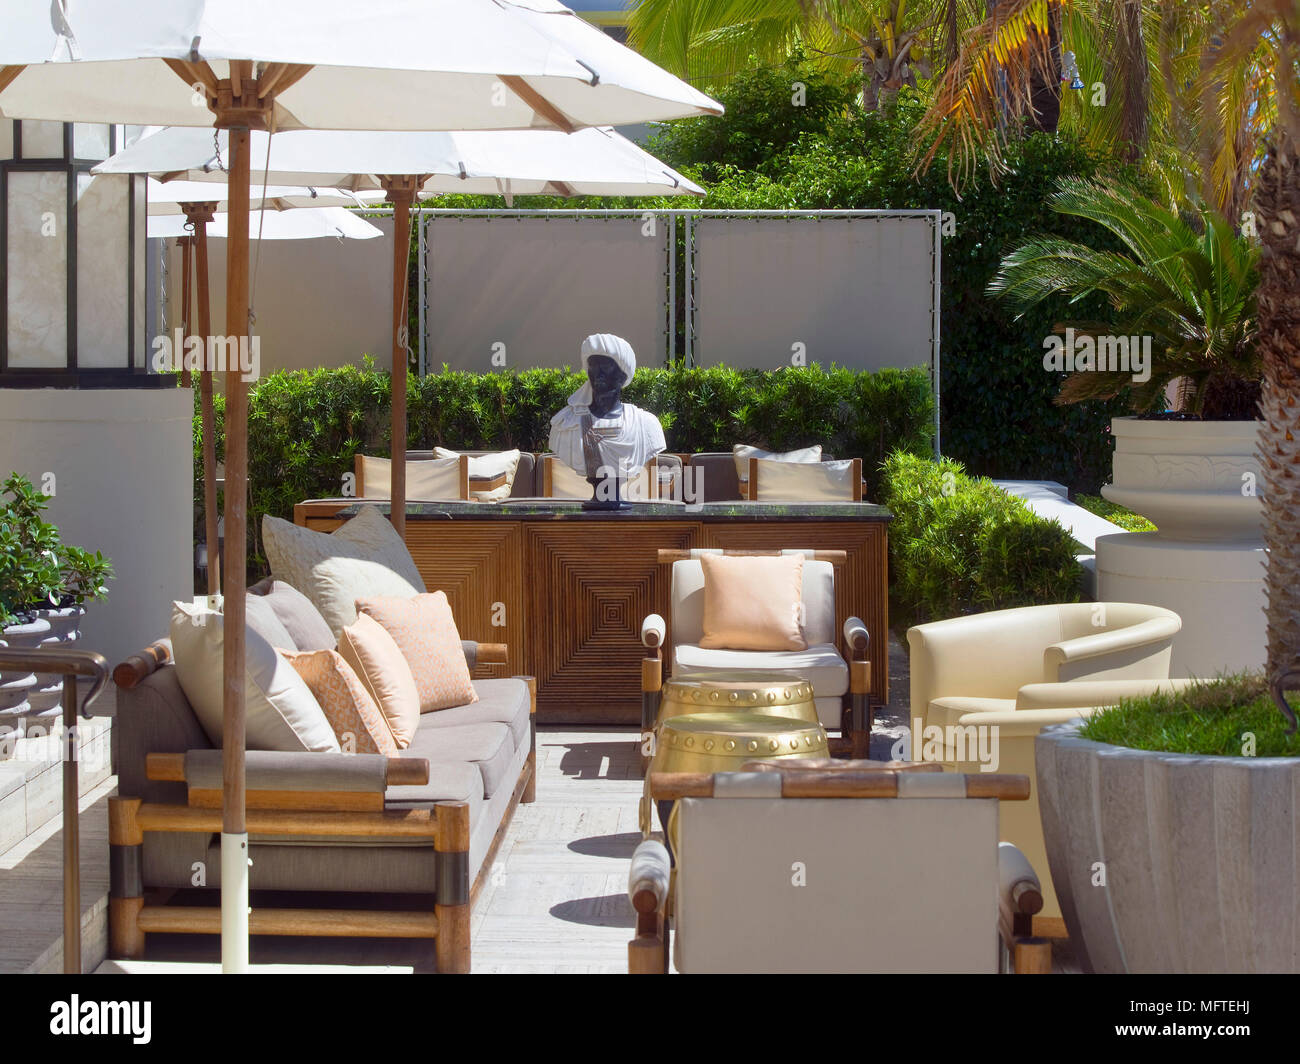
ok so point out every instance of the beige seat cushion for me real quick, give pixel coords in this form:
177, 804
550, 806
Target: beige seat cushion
425, 632
505, 701
436, 478
358, 722
488, 745
806, 482
489, 465
376, 659
820, 664
281, 712
361, 558
753, 603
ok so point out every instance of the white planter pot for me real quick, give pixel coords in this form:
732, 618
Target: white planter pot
16, 687
1171, 862
65, 627
1196, 480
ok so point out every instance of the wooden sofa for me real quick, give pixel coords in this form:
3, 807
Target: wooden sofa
426, 825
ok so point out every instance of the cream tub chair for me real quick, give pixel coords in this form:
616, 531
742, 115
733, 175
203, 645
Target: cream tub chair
1020, 671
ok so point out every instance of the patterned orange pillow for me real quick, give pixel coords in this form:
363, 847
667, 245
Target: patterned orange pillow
425, 632
355, 717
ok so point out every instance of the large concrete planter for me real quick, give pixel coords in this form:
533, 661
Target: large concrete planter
65, 628
1172, 862
17, 687
1196, 480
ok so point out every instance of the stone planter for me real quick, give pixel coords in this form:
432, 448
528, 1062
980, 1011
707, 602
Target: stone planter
16, 687
1196, 480
1171, 862
65, 627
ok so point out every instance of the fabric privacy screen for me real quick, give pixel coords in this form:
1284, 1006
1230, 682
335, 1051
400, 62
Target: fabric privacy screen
858, 291
527, 290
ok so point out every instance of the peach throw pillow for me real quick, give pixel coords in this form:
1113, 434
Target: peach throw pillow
753, 603
355, 717
425, 632
374, 657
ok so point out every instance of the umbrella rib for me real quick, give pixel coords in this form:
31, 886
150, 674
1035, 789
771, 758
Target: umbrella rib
7, 75
280, 76
538, 102
192, 74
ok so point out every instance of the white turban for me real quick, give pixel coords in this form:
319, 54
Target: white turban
610, 346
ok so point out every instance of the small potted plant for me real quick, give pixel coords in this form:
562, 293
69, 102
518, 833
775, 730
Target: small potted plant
44, 586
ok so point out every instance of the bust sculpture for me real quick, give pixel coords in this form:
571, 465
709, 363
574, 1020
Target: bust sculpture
597, 434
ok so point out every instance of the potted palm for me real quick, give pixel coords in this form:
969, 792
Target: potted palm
44, 586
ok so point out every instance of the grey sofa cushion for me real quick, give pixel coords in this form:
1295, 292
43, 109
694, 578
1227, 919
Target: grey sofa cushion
503, 701
449, 781
262, 619
295, 611
487, 745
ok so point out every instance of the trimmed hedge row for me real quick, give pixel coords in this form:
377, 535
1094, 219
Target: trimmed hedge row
960, 545
306, 426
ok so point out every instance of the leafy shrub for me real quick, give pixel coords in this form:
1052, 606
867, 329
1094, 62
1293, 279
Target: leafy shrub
1114, 513
960, 545
306, 426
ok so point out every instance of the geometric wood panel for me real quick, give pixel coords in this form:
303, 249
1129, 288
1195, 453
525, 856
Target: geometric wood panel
590, 586
479, 565
861, 584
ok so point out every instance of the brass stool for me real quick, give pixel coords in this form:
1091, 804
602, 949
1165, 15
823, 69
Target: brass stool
723, 742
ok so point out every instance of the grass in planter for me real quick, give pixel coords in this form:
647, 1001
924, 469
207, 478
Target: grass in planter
1116, 515
1212, 718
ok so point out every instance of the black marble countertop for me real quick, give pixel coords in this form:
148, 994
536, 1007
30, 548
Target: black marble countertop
571, 509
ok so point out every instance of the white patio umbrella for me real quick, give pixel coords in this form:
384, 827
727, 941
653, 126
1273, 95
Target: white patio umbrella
311, 64
315, 224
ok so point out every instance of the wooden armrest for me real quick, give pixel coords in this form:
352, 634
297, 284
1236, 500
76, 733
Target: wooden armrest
398, 771
492, 653
135, 668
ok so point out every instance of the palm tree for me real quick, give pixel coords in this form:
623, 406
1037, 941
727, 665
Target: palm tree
887, 43
1190, 287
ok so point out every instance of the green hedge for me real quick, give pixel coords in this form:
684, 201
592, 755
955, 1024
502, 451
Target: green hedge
960, 545
306, 426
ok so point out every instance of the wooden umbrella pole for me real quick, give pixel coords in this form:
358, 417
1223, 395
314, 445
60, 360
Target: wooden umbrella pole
234, 832
401, 193
201, 214
185, 244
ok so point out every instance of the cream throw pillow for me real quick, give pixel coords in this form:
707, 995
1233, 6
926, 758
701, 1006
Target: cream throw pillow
363, 557
804, 482
376, 659
425, 632
488, 465
359, 724
743, 453
753, 603
280, 712
426, 479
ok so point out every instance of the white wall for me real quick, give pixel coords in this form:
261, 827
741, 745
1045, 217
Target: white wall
123, 469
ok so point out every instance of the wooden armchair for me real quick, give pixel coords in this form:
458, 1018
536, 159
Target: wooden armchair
834, 672
781, 870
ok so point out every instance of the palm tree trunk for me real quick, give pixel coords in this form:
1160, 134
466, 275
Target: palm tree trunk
1131, 61
1277, 203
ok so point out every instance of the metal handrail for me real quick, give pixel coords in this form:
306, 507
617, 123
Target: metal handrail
66, 663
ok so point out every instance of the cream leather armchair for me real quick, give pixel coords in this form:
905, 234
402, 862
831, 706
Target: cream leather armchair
979, 663
984, 686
